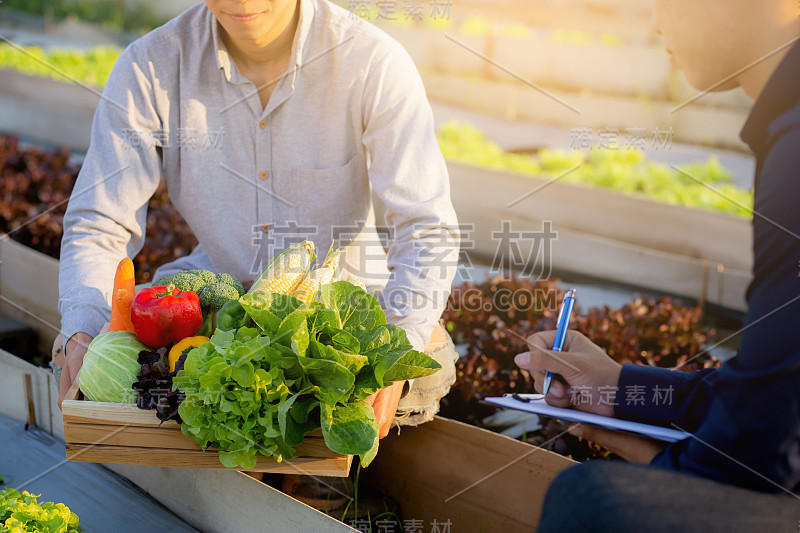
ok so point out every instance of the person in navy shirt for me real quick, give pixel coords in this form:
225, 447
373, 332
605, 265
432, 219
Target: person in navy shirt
740, 468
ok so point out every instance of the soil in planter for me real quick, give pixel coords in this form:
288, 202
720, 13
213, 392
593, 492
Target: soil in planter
653, 331
370, 509
35, 186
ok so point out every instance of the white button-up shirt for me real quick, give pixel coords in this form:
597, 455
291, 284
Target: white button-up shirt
349, 117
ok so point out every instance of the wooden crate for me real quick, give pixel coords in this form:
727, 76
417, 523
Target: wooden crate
100, 432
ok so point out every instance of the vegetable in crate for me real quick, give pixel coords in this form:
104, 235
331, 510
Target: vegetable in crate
162, 315
198, 280
122, 297
213, 290
286, 270
154, 388
232, 316
214, 296
258, 391
110, 367
183, 347
308, 289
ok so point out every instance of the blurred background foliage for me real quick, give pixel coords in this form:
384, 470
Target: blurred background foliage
113, 15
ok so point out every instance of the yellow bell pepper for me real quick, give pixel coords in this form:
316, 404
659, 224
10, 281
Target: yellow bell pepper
176, 351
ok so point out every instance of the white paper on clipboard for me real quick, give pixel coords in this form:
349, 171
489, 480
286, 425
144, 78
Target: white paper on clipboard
539, 406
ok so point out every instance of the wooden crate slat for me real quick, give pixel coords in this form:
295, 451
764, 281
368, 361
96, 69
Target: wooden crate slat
112, 435
84, 412
337, 467
172, 438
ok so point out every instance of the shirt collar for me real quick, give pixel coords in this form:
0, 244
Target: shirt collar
299, 44
781, 93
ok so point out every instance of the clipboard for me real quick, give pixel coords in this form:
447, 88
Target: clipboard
539, 406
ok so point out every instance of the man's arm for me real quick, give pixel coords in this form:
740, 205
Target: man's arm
105, 219
751, 434
663, 397
408, 172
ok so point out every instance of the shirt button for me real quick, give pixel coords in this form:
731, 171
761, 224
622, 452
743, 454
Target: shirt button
263, 174
265, 228
262, 124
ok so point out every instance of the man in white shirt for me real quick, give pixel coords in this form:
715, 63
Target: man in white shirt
265, 115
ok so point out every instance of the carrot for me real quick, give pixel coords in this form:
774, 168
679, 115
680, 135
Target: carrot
122, 297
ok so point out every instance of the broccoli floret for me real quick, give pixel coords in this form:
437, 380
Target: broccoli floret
186, 281
230, 280
207, 277
183, 281
163, 281
215, 295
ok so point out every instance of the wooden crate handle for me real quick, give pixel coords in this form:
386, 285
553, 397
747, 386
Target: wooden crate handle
74, 391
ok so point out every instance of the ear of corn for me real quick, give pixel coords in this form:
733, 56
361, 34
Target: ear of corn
355, 281
308, 290
286, 270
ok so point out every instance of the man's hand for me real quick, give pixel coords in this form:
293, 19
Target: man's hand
632, 448
385, 402
582, 364
74, 351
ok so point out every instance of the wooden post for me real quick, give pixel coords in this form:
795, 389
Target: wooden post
28, 383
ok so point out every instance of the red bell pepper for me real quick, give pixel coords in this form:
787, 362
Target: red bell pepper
161, 315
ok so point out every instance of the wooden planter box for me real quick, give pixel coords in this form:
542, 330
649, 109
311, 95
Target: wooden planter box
512, 100
29, 289
634, 71
47, 110
689, 252
478, 480
100, 432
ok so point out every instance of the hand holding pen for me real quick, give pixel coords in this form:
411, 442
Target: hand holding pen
562, 324
582, 368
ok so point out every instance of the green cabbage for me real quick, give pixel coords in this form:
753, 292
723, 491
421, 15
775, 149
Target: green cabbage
111, 367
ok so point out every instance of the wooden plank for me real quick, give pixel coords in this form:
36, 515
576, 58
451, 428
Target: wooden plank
79, 411
13, 394
602, 258
74, 391
224, 501
479, 480
334, 467
29, 288
513, 100
115, 435
26, 378
169, 438
47, 110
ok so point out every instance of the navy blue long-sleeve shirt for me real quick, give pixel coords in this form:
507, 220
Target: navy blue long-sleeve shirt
745, 416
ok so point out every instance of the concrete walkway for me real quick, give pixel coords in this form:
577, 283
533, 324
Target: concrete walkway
104, 501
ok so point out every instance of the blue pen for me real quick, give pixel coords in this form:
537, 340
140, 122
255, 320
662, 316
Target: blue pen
561, 332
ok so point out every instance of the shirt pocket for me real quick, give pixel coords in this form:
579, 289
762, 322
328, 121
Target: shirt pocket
338, 196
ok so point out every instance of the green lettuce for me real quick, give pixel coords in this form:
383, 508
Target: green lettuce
259, 391
21, 512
